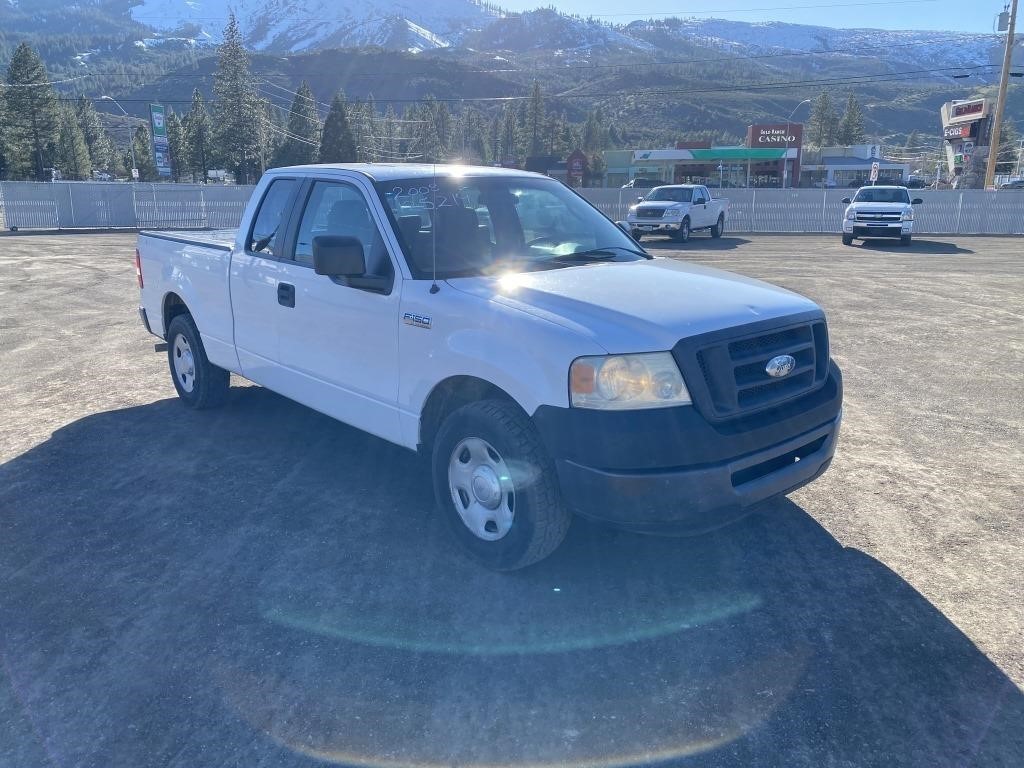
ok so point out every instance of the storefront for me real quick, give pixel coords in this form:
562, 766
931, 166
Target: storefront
850, 167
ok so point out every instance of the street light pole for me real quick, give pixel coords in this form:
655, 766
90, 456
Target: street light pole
131, 136
997, 120
785, 159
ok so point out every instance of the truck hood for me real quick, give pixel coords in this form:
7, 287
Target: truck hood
880, 207
640, 306
660, 204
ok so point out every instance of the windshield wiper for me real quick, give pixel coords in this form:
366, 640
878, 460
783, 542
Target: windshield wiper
598, 254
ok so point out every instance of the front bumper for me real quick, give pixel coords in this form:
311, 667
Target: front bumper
670, 470
890, 229
653, 226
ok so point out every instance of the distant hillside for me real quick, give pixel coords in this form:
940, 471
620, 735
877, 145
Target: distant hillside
656, 80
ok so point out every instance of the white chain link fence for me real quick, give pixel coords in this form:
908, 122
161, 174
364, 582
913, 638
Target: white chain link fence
86, 205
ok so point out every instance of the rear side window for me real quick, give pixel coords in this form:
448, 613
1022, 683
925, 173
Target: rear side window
267, 234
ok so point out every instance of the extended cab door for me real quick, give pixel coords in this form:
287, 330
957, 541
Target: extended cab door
339, 338
256, 272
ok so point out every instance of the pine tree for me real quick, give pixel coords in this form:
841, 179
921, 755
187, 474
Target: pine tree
144, 154
337, 145
302, 134
535, 121
101, 150
198, 136
851, 126
32, 114
823, 122
237, 111
71, 157
509, 137
176, 146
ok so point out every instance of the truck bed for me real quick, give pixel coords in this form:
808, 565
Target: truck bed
222, 239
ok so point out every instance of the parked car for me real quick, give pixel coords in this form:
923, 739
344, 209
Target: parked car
879, 211
677, 210
543, 361
1013, 184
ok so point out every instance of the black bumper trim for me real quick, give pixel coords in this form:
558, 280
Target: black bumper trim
671, 470
145, 319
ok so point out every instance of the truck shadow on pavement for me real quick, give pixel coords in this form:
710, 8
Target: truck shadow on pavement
697, 241
935, 247
262, 585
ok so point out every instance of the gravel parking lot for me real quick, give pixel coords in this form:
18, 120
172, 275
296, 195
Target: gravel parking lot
262, 586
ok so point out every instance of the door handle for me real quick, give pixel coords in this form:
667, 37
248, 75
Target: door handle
286, 294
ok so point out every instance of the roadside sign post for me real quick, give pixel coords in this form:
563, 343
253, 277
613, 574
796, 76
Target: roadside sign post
874, 173
161, 150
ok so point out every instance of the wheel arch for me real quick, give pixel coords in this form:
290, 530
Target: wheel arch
451, 394
173, 305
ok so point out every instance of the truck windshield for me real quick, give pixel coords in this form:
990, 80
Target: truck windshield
882, 195
487, 225
671, 194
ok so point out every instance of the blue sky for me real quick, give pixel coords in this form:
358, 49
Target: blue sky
957, 16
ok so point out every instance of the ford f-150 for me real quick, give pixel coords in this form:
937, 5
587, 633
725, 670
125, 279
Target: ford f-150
496, 321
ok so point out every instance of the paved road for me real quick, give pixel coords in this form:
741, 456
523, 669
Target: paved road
260, 586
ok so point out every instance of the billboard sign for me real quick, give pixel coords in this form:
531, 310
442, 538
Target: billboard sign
158, 130
967, 111
775, 135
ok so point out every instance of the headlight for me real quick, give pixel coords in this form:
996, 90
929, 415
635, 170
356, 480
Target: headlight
850, 214
625, 382
908, 215
673, 213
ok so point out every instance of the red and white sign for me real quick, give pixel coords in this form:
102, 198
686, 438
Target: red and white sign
968, 111
874, 172
957, 131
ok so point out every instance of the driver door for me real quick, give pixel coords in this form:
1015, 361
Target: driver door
339, 343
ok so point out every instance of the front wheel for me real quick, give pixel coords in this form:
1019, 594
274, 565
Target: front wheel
497, 486
719, 228
847, 239
636, 235
905, 239
199, 383
683, 233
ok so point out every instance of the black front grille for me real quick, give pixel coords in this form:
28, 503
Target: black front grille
734, 370
649, 213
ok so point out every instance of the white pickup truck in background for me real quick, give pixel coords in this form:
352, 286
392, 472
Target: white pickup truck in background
496, 321
879, 211
677, 210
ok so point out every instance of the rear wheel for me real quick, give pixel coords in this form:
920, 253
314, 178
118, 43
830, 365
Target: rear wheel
847, 239
199, 383
719, 228
497, 486
682, 234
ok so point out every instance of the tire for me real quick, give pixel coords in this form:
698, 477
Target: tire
683, 234
719, 228
199, 383
497, 444
636, 235
847, 239
906, 239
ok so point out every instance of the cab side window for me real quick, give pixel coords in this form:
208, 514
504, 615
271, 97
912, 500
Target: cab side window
267, 236
336, 208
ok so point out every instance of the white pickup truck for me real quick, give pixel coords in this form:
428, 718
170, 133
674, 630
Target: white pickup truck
879, 211
677, 210
496, 321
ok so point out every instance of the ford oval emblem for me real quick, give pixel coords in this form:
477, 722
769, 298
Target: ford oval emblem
780, 366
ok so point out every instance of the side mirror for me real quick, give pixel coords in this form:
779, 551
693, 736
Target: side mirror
338, 256
639, 198
916, 201
845, 201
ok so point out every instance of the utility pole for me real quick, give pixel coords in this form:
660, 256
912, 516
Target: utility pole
997, 120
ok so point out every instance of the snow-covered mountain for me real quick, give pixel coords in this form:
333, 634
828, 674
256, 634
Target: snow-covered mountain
298, 25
